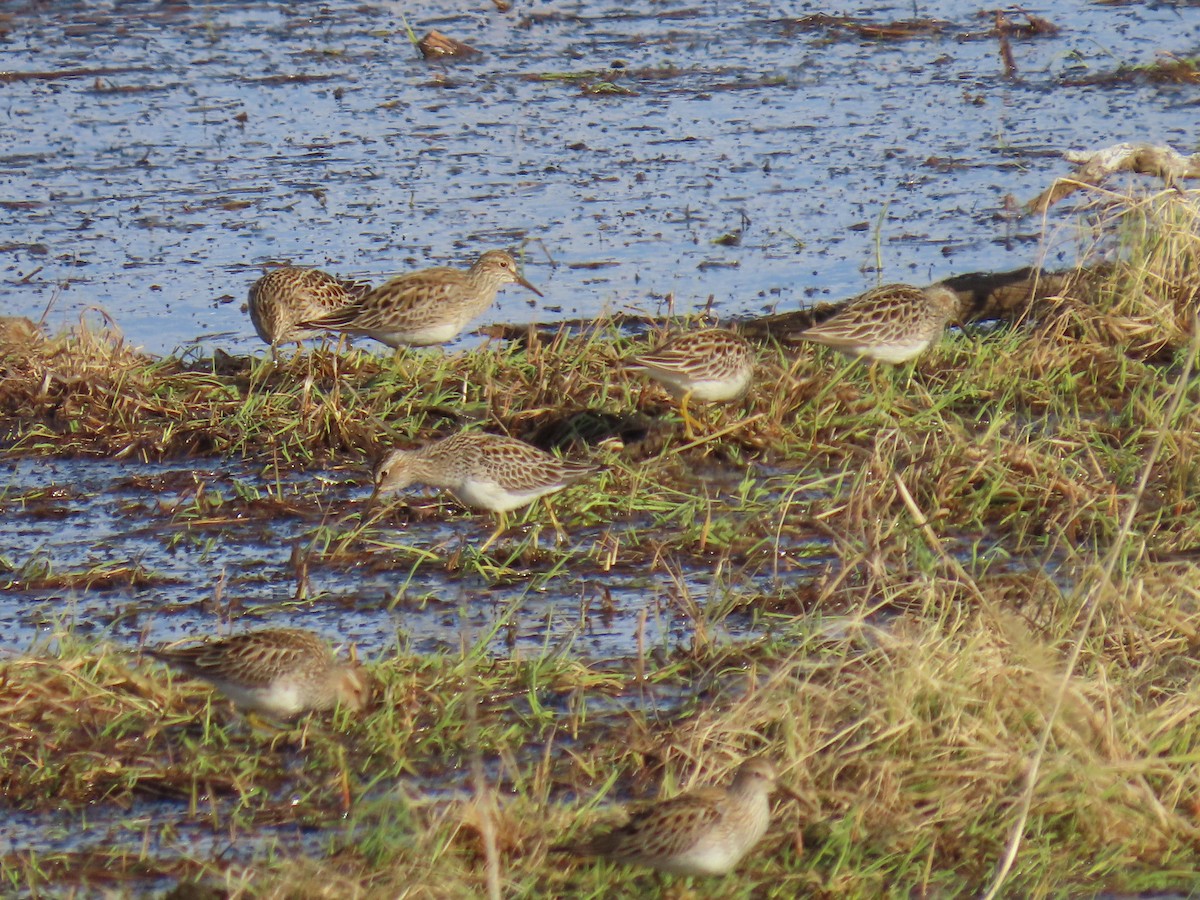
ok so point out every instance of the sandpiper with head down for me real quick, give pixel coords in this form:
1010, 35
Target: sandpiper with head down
286, 297
892, 323
702, 832
278, 672
484, 471
712, 365
431, 306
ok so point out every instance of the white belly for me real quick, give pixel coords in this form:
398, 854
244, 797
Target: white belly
709, 390
716, 391
482, 494
895, 353
440, 333
282, 699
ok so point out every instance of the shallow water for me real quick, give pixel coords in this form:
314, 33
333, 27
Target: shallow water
195, 143
192, 574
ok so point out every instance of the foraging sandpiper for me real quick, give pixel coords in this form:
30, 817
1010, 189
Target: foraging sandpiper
892, 323
286, 297
485, 471
279, 672
427, 307
711, 365
705, 831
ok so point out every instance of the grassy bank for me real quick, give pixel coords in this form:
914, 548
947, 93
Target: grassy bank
999, 655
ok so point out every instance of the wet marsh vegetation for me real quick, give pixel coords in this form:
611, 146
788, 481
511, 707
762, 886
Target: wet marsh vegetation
956, 603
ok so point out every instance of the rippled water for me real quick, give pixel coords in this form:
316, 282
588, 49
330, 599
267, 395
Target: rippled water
156, 155
221, 136
69, 517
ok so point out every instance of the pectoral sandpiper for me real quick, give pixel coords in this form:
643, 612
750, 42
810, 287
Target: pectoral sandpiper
712, 365
892, 323
484, 471
279, 672
286, 297
427, 307
702, 832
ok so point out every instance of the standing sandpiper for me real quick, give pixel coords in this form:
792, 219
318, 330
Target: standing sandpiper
284, 298
427, 307
712, 365
485, 471
702, 832
892, 323
279, 672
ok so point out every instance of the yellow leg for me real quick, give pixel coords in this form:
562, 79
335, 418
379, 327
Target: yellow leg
689, 424
495, 534
259, 724
873, 376
559, 534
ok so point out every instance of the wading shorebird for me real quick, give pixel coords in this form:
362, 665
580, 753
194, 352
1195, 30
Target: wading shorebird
702, 832
892, 323
278, 672
427, 307
712, 365
483, 471
285, 298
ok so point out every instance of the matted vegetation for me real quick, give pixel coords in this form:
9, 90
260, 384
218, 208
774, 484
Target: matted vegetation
1004, 648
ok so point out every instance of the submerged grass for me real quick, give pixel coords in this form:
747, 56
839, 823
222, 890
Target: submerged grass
904, 683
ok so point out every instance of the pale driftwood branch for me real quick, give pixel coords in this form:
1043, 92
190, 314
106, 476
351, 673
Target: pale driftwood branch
1093, 166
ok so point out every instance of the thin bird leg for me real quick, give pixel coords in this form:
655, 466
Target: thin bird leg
873, 377
500, 529
911, 367
261, 725
559, 534
689, 424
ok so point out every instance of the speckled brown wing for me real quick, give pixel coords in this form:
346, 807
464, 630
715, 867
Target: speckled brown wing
284, 298
881, 315
395, 300
355, 290
662, 831
328, 291
254, 659
517, 465
710, 353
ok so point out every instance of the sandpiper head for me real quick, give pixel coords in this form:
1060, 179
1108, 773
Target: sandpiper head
944, 300
353, 686
498, 266
756, 774
394, 472
264, 311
